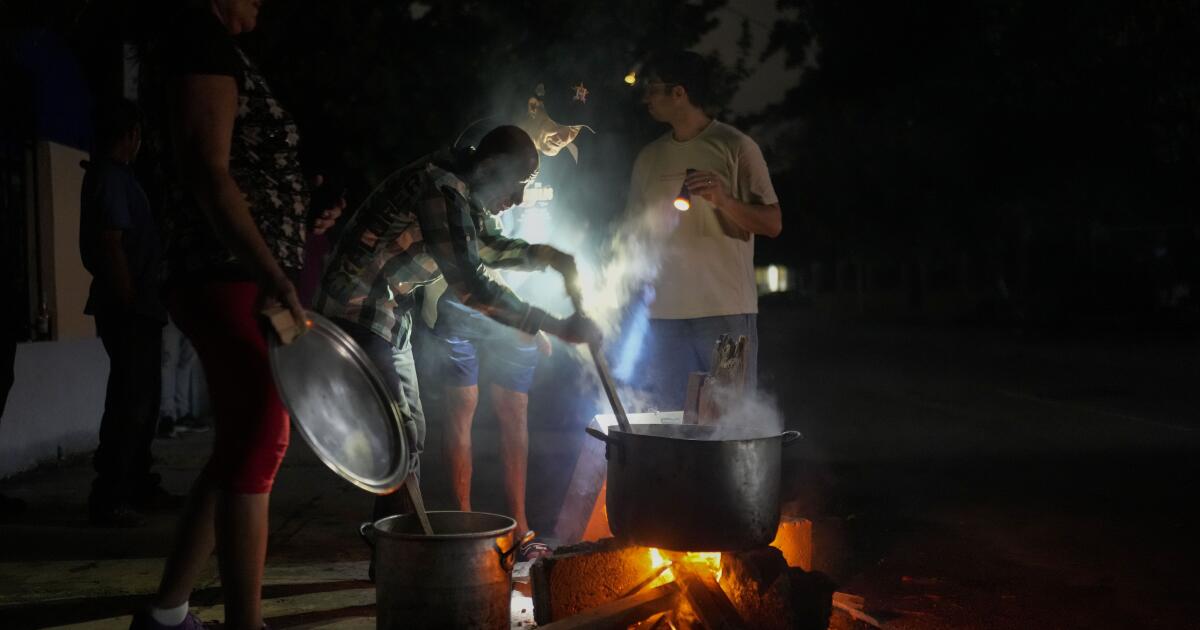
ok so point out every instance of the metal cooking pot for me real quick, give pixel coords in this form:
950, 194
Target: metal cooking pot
689, 488
459, 577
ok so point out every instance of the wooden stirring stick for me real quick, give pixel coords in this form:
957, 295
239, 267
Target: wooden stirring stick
414, 494
610, 388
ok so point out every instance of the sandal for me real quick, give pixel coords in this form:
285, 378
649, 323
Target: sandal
531, 549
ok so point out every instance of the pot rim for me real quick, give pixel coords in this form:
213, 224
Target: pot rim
615, 430
494, 533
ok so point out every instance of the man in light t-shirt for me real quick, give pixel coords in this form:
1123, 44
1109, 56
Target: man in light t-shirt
705, 286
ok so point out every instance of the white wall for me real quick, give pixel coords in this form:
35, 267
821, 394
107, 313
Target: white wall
58, 396
60, 181
55, 404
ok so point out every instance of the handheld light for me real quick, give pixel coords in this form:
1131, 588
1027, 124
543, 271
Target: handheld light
683, 201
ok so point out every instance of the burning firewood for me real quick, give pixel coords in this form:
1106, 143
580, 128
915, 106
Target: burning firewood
707, 599
622, 612
853, 605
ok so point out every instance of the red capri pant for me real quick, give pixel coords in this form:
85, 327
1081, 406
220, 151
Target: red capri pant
251, 433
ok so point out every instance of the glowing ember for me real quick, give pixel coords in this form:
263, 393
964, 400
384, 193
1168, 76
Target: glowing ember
710, 560
702, 560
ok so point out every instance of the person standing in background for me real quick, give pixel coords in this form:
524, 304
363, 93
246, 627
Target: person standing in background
119, 245
705, 287
184, 404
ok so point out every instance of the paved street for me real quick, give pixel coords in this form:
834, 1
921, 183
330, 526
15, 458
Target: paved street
996, 479
960, 478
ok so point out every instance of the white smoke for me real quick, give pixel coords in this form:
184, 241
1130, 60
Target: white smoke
744, 413
630, 260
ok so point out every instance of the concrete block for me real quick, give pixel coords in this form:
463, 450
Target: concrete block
795, 540
583, 576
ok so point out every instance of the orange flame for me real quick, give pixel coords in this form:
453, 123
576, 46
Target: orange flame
704, 560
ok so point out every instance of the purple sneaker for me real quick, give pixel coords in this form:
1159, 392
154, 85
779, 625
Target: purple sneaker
143, 621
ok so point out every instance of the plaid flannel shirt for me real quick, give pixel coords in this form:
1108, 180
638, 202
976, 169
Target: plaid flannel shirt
419, 225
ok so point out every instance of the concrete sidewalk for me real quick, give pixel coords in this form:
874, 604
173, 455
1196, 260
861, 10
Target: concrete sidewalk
57, 570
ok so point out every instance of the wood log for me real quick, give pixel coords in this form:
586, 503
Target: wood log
691, 402
726, 379
584, 493
707, 599
758, 585
622, 612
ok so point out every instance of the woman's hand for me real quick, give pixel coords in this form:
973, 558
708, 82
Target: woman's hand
279, 291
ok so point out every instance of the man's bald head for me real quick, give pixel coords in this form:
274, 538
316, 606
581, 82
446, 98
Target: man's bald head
503, 163
511, 143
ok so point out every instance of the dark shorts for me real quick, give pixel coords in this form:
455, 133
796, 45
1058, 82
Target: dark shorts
508, 359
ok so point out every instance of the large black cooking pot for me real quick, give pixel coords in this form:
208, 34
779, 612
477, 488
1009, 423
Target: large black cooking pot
693, 488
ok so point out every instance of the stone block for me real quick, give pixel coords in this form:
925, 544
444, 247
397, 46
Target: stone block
758, 584
795, 540
583, 576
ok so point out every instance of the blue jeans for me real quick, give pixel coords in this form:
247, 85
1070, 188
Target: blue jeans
184, 392
677, 347
399, 372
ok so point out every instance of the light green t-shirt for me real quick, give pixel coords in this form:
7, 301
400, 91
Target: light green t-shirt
707, 266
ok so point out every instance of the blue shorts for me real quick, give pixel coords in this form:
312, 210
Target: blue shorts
509, 356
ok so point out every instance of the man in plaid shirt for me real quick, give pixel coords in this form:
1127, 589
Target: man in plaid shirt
419, 225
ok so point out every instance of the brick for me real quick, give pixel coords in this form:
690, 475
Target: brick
583, 576
795, 539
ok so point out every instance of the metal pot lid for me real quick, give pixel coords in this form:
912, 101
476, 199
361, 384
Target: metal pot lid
339, 403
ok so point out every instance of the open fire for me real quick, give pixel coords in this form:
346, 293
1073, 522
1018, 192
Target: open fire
701, 561
611, 584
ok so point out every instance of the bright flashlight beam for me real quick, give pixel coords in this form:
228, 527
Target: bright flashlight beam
682, 204
631, 348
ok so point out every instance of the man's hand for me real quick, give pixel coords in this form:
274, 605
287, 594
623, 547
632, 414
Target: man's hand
748, 218
709, 186
328, 216
279, 291
541, 341
564, 264
576, 329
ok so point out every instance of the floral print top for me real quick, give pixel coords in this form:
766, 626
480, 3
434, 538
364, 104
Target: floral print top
263, 160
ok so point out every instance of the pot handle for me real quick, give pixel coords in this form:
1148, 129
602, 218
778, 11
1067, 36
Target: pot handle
791, 436
368, 535
599, 435
509, 558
